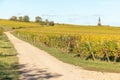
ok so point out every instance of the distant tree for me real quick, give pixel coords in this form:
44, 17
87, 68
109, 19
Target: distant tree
26, 19
20, 19
47, 22
38, 19
13, 18
51, 23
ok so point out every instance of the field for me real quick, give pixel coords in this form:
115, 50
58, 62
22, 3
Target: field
8, 60
100, 43
95, 46
91, 47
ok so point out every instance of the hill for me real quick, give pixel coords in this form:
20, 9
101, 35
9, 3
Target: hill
7, 24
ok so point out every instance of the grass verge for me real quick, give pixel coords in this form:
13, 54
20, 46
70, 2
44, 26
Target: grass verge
8, 60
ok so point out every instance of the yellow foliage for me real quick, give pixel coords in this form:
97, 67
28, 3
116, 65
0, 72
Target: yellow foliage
17, 24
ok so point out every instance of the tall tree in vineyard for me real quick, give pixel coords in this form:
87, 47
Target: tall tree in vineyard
99, 22
51, 23
13, 18
20, 18
26, 19
47, 22
38, 19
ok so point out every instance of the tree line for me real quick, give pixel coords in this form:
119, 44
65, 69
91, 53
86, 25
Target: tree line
38, 19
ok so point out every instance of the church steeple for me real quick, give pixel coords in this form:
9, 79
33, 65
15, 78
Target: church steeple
99, 22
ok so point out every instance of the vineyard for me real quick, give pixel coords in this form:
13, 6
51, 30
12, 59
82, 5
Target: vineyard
86, 42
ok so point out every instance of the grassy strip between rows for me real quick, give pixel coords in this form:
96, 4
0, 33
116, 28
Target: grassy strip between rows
8, 60
86, 64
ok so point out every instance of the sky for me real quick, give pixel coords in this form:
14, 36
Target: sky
83, 12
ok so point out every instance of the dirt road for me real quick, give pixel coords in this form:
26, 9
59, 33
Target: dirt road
36, 64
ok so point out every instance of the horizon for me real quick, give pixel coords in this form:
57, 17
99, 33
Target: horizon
69, 12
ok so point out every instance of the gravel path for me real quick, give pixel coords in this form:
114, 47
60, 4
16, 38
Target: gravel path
36, 64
